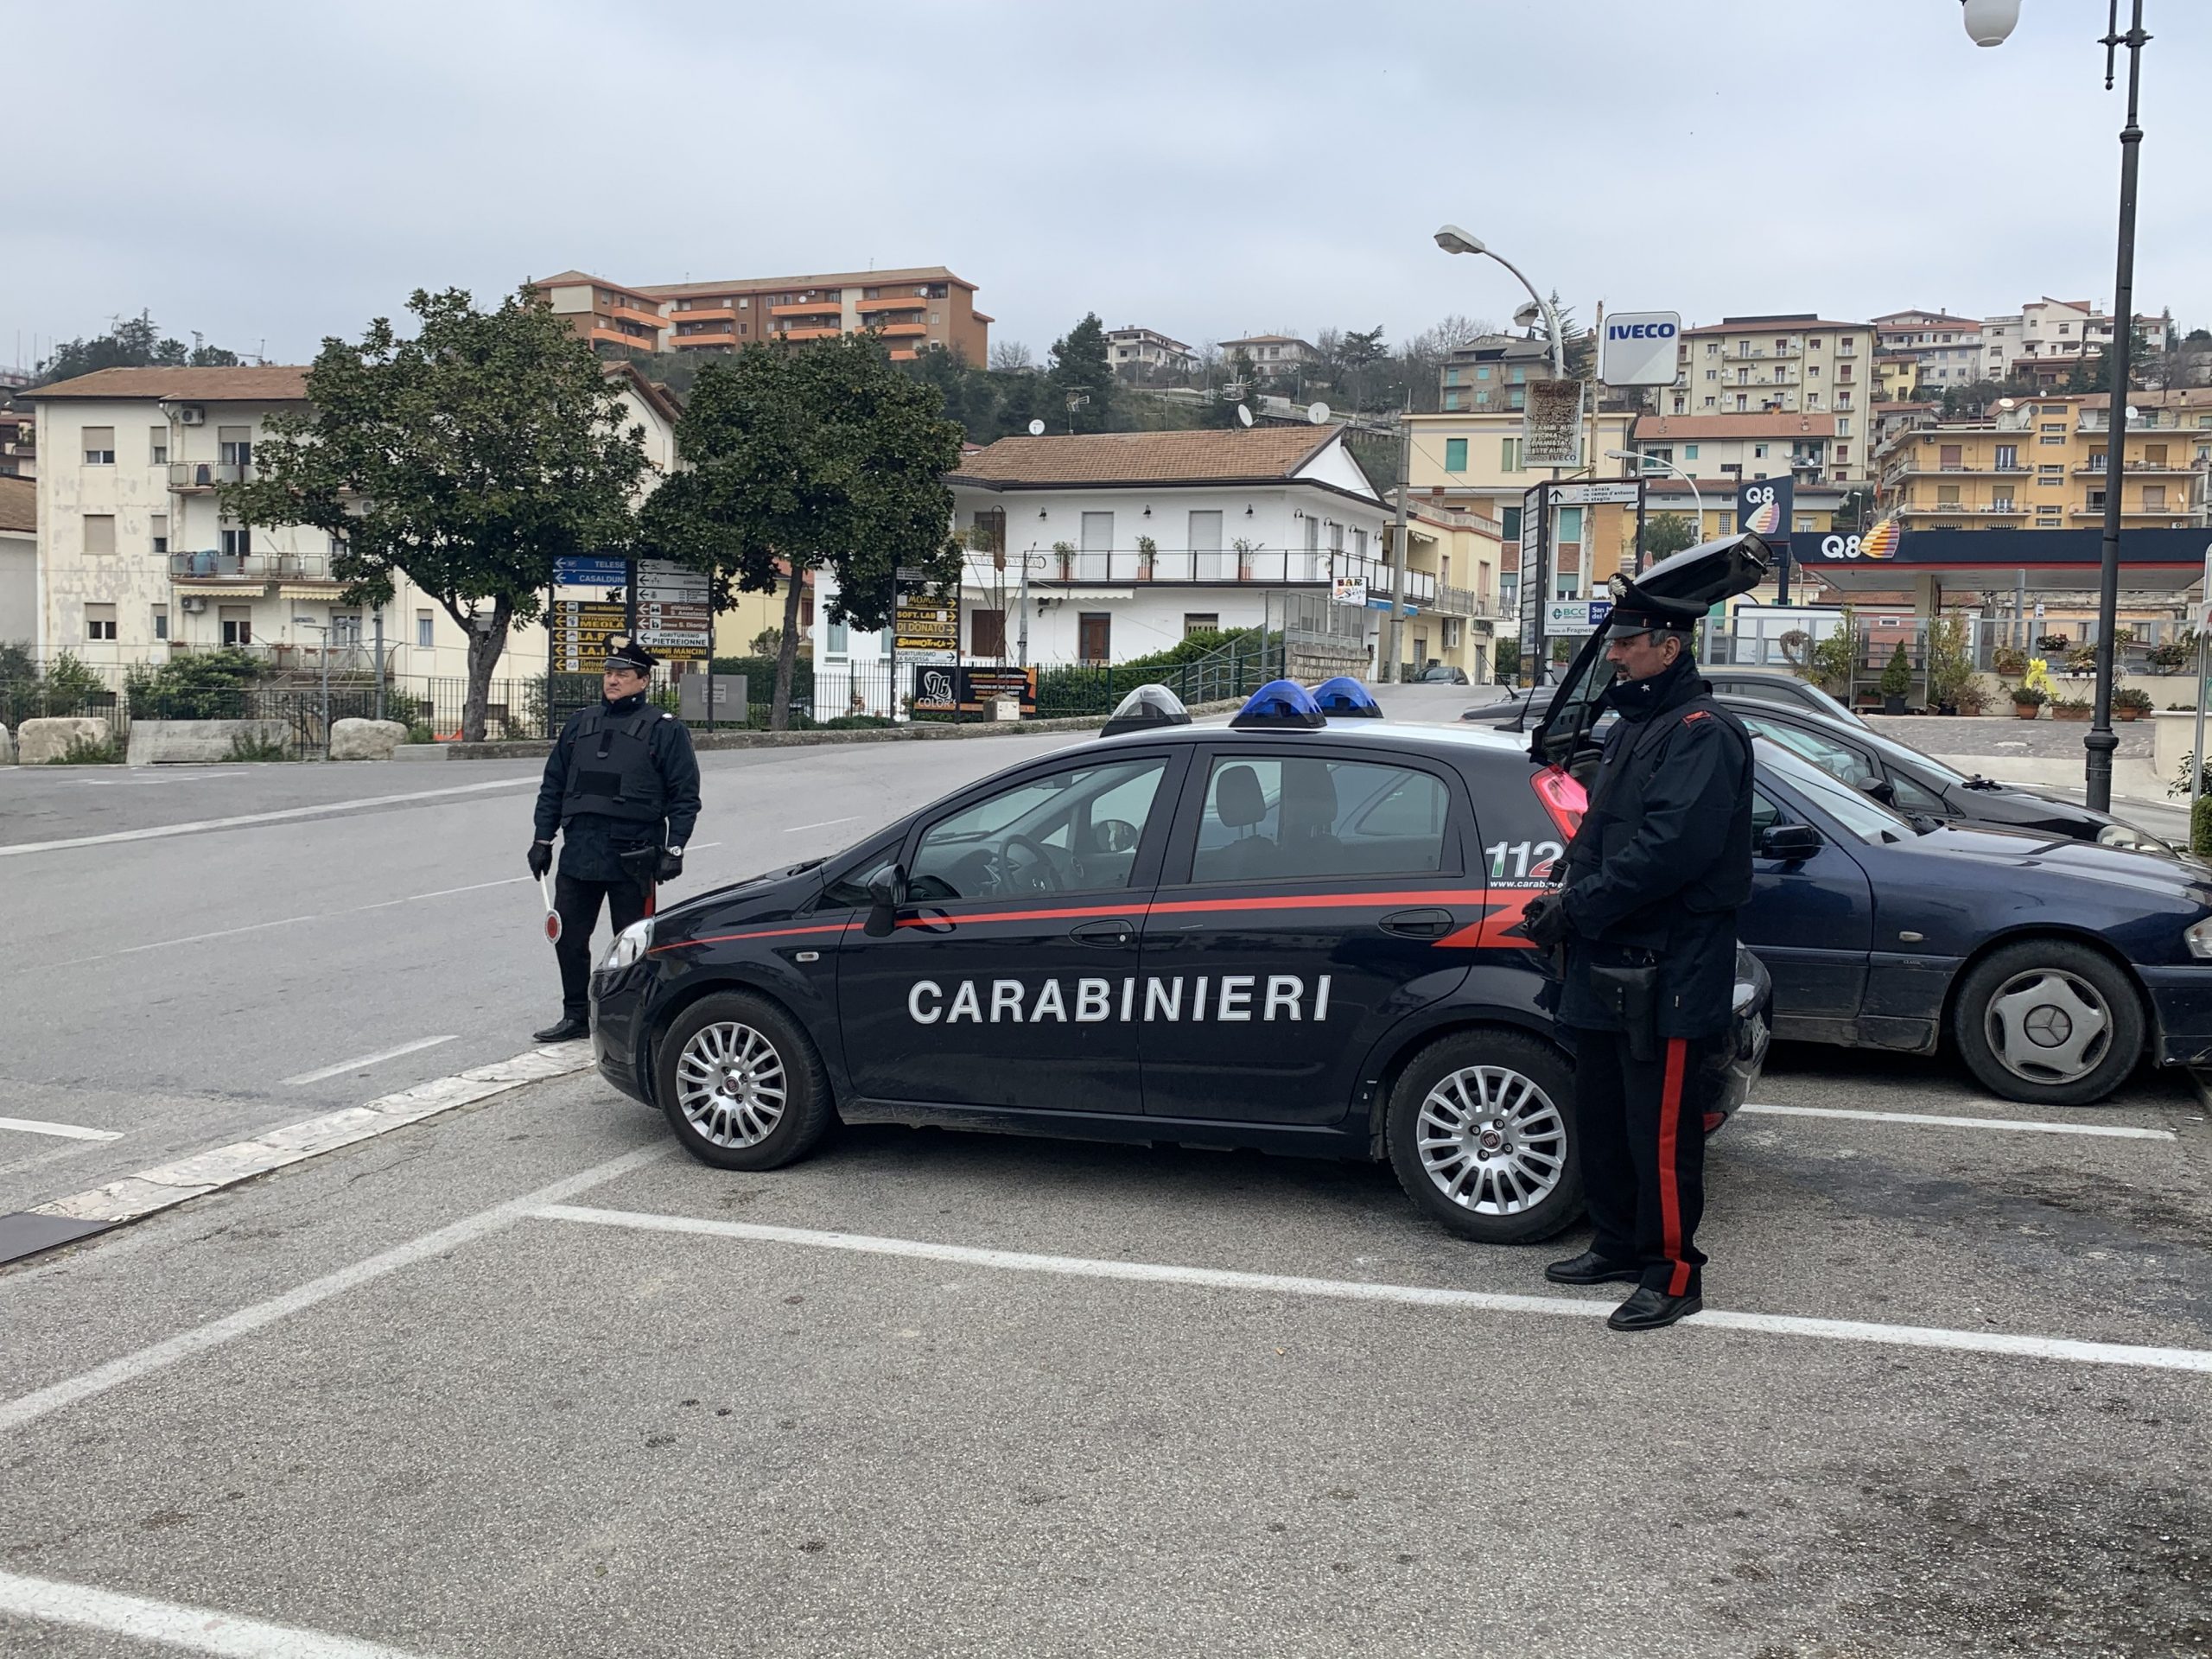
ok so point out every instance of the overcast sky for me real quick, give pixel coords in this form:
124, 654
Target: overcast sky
269, 175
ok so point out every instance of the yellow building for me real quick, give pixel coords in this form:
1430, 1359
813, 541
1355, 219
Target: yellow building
1897, 375
1465, 552
2041, 464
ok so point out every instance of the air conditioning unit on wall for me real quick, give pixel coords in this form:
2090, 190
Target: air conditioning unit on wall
191, 414
193, 604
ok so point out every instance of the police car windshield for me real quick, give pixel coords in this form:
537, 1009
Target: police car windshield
1865, 818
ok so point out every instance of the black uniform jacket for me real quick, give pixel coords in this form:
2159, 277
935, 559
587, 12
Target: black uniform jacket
592, 843
1662, 860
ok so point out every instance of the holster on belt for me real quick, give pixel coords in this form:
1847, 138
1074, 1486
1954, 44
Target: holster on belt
1631, 994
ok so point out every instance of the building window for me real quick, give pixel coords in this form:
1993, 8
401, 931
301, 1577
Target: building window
1509, 454
2154, 498
1455, 454
161, 621
1518, 398
238, 624
1451, 377
1451, 402
157, 447
99, 532
1481, 371
425, 631
99, 446
1201, 622
236, 445
1758, 452
344, 628
837, 638
99, 622
2008, 457
159, 524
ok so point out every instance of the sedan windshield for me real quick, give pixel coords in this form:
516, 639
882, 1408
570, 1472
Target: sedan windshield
1865, 818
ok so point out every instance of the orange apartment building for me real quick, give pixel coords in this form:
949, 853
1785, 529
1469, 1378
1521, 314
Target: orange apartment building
913, 309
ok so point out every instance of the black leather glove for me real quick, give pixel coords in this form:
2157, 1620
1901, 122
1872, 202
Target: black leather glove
671, 866
1543, 921
541, 858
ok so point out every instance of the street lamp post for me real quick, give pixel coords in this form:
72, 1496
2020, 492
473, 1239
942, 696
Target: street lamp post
1453, 239
1643, 461
1990, 22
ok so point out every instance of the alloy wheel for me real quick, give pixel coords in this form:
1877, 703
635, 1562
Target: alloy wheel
1491, 1140
730, 1085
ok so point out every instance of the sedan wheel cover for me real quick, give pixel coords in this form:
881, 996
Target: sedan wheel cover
1491, 1140
730, 1085
2046, 1026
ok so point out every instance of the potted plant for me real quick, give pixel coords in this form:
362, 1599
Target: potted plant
2050, 642
2069, 708
2171, 655
2028, 701
2131, 703
2082, 659
1245, 550
2007, 660
1066, 550
1971, 699
1147, 550
1896, 681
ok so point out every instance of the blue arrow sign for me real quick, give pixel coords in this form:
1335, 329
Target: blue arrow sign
589, 573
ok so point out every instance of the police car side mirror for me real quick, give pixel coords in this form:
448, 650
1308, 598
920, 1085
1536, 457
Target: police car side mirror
1882, 790
886, 891
1791, 843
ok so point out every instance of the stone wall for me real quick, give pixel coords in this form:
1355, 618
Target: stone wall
195, 743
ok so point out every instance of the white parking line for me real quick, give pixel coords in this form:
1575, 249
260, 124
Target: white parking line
2023, 1125
826, 823
161, 831
359, 1061
1906, 1336
67, 1131
196, 1630
29, 1408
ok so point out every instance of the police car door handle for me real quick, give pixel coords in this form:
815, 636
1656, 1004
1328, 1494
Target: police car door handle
1424, 924
1109, 934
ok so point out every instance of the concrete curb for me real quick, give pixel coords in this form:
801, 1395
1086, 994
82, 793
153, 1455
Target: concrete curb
915, 732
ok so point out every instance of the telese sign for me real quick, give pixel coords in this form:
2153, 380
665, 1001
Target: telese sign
1638, 349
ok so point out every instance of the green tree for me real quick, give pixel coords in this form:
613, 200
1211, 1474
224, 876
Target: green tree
131, 343
1082, 369
467, 459
818, 456
1667, 532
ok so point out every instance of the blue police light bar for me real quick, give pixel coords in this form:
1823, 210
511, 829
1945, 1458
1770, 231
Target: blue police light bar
1345, 698
1280, 705
1146, 709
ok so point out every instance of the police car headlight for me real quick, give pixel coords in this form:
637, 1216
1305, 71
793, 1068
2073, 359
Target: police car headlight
629, 947
2199, 940
2127, 836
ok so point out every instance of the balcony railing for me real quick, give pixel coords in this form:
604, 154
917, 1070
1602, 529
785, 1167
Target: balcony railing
1261, 567
188, 475
209, 565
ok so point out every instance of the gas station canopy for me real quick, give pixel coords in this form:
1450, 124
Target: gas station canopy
2039, 561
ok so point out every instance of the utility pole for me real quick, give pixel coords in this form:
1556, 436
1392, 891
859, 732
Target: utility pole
1386, 673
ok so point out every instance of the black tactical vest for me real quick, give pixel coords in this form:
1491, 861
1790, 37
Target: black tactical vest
611, 769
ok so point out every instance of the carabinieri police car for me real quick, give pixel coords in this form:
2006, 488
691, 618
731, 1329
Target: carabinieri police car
1290, 933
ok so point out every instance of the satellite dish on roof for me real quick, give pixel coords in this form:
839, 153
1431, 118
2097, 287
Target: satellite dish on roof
1318, 413
2130, 416
1243, 415
2004, 402
1036, 428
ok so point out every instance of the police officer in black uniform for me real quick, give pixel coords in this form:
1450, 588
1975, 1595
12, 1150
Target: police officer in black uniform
1646, 910
622, 786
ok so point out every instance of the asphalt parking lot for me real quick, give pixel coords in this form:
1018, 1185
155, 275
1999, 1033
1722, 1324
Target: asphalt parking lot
524, 1380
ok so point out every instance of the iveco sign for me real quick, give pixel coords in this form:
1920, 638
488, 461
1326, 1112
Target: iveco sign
1638, 349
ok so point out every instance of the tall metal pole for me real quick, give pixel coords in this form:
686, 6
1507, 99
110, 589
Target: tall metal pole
2100, 742
380, 648
1387, 670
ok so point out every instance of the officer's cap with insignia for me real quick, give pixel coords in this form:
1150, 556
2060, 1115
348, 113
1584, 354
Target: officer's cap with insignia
1674, 594
623, 651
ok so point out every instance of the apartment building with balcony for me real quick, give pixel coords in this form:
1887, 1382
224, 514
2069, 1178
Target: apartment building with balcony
2042, 464
1731, 449
1492, 372
137, 558
913, 309
18, 440
1273, 355
1134, 351
610, 316
1784, 363
1943, 351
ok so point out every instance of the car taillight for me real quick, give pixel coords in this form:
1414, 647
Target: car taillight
1563, 798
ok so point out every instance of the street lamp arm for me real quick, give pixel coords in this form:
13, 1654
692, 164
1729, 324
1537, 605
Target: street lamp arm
1697, 498
1551, 317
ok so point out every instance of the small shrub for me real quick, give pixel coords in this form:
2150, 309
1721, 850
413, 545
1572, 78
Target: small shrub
2175, 653
2030, 696
2082, 659
2050, 642
418, 731
1897, 677
857, 722
91, 751
2007, 660
2200, 826
1970, 698
2129, 697
247, 747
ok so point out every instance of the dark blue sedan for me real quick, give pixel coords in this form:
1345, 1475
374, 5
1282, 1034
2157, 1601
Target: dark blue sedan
2056, 965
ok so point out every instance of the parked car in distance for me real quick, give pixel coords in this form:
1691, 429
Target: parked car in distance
1779, 686
1920, 787
1441, 674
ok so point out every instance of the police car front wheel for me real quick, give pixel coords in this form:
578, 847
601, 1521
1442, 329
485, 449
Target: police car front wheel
1479, 1136
741, 1085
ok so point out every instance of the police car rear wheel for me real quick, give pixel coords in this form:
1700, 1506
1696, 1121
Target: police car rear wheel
740, 1084
1479, 1136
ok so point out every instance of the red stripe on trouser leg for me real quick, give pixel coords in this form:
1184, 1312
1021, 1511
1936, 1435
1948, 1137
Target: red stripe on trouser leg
1670, 1198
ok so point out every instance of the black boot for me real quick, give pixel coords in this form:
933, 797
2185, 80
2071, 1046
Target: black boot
1649, 1309
1592, 1268
571, 1027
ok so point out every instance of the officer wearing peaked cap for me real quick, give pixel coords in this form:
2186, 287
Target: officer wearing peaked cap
622, 788
1646, 910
